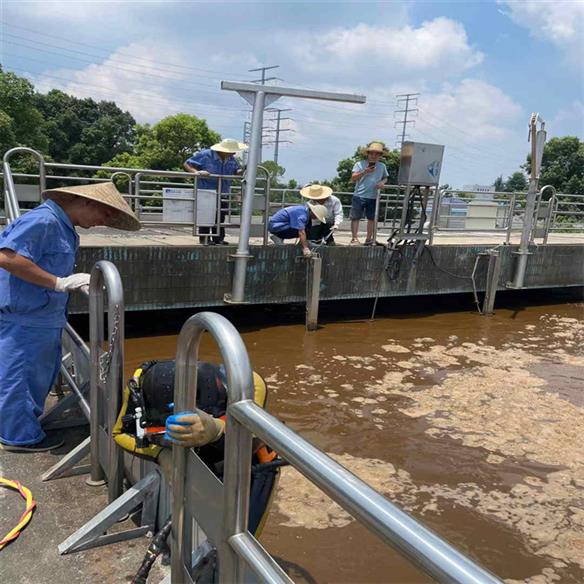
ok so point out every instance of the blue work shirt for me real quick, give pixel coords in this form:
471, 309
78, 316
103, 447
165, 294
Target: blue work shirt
46, 237
365, 186
210, 161
295, 217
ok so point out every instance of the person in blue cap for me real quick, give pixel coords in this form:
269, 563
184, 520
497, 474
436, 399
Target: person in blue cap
37, 258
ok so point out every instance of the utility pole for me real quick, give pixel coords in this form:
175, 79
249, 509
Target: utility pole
405, 101
277, 141
262, 81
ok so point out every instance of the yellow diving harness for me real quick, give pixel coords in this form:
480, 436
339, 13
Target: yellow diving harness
139, 429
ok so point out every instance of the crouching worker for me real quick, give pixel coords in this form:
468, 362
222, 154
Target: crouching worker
323, 232
293, 222
146, 428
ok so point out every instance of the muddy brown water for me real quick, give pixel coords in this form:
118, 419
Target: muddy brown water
472, 424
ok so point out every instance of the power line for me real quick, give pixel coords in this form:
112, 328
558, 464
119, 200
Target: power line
133, 57
404, 100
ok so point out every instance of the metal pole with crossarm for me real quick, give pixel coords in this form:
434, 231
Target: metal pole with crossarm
260, 96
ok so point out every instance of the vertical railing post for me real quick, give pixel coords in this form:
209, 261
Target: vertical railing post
238, 451
97, 474
510, 218
105, 393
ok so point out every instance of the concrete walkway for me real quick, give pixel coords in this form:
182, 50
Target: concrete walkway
166, 236
63, 506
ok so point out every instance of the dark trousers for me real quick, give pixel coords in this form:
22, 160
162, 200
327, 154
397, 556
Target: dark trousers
222, 214
319, 232
289, 233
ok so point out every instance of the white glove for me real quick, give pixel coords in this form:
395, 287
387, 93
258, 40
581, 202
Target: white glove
306, 252
73, 282
334, 227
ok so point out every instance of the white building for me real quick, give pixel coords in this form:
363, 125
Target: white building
479, 189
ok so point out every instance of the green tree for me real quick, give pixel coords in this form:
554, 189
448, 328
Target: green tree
84, 131
516, 183
499, 184
21, 123
562, 165
276, 171
167, 144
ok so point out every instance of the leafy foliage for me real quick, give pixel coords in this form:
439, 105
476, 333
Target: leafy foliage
562, 165
83, 131
21, 123
167, 144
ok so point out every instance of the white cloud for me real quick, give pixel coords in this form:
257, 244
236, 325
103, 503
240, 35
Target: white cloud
75, 11
569, 121
135, 79
439, 47
560, 21
482, 128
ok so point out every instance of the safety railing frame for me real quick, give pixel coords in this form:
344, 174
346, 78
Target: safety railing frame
385, 200
237, 548
104, 461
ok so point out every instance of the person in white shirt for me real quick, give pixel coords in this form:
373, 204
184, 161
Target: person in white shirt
323, 232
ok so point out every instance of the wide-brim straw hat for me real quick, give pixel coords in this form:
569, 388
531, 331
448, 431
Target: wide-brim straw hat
316, 192
107, 194
375, 147
229, 146
320, 211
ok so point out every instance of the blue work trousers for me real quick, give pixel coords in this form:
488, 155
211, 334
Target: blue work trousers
30, 359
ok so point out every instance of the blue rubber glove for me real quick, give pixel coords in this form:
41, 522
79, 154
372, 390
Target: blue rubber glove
192, 429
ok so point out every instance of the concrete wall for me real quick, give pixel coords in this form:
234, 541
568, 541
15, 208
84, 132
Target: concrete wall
176, 277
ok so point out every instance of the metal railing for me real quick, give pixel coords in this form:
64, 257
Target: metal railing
447, 211
227, 504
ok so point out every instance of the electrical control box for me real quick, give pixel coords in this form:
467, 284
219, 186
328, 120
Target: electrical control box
420, 164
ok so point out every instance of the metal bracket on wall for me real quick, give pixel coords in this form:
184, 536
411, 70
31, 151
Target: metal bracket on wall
233, 257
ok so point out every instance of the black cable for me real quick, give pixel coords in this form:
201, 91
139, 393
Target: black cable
156, 547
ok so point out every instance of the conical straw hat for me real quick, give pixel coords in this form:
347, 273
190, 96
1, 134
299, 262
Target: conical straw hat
105, 193
316, 192
229, 146
320, 211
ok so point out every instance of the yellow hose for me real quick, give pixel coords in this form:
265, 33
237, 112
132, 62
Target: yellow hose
26, 516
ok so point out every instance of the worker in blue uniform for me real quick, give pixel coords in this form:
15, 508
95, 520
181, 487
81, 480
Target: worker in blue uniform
217, 160
37, 259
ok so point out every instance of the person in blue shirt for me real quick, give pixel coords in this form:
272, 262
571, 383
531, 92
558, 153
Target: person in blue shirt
219, 159
292, 222
369, 176
37, 258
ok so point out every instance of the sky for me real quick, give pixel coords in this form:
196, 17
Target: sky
480, 68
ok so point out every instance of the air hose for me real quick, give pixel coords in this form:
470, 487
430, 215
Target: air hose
156, 547
25, 517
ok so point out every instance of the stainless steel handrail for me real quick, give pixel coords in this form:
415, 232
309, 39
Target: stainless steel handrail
13, 208
106, 393
408, 536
